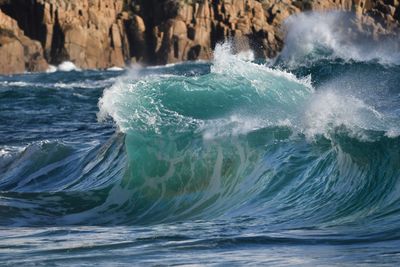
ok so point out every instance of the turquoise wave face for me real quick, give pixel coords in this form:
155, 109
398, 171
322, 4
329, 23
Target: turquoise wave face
250, 140
194, 142
236, 96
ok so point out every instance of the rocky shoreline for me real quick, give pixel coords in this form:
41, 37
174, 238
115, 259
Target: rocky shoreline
98, 34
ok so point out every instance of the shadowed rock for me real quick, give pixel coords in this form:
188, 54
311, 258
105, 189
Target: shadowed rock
18, 53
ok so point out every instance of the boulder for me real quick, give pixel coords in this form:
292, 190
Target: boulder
11, 56
18, 53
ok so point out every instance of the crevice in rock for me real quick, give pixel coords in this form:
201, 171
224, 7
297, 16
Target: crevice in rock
29, 16
57, 53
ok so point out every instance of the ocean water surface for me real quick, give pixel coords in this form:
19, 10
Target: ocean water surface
290, 162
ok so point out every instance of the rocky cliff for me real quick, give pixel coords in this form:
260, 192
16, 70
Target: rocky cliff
90, 33
106, 33
18, 52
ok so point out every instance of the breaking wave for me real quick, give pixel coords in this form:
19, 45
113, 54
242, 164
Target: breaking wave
226, 139
315, 147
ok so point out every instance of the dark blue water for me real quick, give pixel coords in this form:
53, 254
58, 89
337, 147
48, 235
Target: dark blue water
227, 162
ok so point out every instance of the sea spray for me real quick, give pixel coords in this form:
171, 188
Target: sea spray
314, 36
67, 66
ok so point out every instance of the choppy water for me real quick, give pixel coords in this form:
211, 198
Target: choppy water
291, 162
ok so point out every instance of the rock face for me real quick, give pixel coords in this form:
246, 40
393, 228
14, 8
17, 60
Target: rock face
193, 29
188, 30
106, 33
90, 33
18, 53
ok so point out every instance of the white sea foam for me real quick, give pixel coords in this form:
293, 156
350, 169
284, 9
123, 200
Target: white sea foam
51, 69
6, 151
115, 69
234, 125
68, 66
87, 84
16, 84
62, 85
228, 63
393, 132
9, 153
246, 55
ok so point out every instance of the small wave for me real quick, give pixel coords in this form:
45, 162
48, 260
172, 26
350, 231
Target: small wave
19, 84
87, 84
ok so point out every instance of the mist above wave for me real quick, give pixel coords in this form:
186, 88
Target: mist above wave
313, 36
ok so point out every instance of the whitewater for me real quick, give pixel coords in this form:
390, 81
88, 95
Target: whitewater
293, 161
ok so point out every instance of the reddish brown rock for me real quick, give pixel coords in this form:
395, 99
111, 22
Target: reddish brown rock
90, 33
18, 53
11, 56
